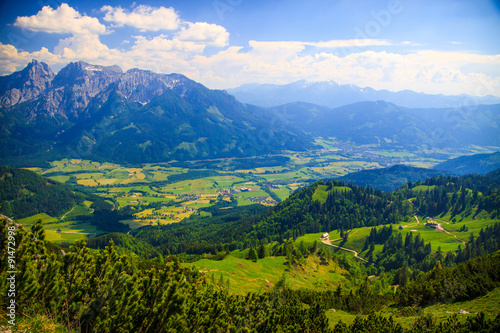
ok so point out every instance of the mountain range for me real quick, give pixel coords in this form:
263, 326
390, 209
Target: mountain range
386, 124
332, 94
104, 114
391, 178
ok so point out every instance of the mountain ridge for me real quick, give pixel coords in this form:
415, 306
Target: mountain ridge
138, 116
384, 123
391, 178
477, 163
333, 94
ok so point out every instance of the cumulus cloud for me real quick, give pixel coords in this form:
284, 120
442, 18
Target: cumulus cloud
284, 62
163, 43
64, 19
210, 34
143, 17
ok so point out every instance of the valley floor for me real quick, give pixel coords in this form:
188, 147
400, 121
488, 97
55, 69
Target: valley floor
170, 192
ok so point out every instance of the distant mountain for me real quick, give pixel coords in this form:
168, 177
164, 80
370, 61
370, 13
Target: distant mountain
392, 178
385, 123
479, 163
332, 94
102, 113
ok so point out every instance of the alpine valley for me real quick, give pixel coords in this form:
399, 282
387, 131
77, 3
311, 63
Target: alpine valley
143, 202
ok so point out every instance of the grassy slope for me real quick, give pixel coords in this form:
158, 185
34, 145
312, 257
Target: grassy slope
248, 276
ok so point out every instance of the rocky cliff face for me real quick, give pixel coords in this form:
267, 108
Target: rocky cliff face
76, 84
68, 93
25, 85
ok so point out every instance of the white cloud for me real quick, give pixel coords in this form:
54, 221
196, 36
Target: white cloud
162, 43
353, 43
283, 62
209, 34
85, 47
64, 19
143, 17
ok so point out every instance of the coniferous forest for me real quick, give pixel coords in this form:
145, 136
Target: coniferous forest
110, 292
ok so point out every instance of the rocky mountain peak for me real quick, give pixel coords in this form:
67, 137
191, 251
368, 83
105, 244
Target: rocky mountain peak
26, 84
79, 72
77, 83
141, 86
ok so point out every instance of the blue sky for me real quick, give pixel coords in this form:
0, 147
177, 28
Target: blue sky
448, 47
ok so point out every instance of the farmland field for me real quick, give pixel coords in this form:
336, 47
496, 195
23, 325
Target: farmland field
172, 186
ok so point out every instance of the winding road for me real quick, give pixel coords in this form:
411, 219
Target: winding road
329, 243
440, 228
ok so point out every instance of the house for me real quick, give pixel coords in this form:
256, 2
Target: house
430, 224
325, 235
59, 230
400, 227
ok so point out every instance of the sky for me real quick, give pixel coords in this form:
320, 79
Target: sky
436, 47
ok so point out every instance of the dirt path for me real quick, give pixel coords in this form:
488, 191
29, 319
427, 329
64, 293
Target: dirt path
62, 218
412, 225
329, 243
432, 218
440, 228
74, 232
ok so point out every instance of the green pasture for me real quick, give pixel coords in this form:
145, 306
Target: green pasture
28, 221
125, 201
249, 276
321, 193
61, 179
283, 193
253, 194
244, 202
281, 176
423, 188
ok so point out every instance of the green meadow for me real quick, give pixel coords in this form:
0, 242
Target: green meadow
249, 276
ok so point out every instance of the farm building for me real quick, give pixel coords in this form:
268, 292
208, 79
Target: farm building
325, 235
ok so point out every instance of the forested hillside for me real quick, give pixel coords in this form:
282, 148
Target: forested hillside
470, 194
107, 292
322, 206
25, 193
392, 178
326, 206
